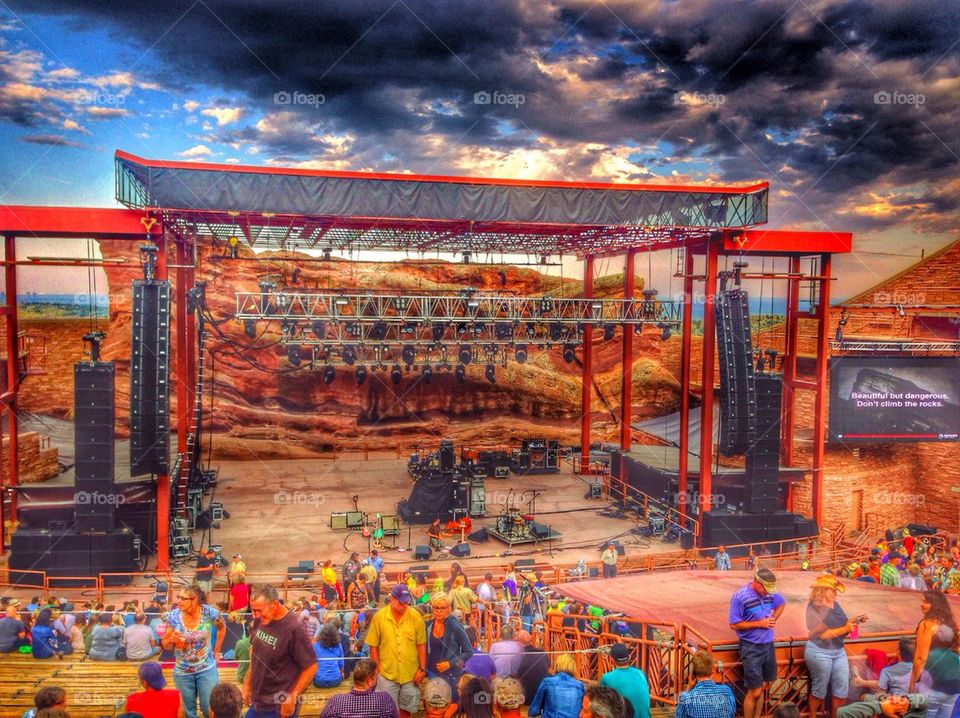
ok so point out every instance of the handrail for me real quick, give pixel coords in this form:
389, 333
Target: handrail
672, 515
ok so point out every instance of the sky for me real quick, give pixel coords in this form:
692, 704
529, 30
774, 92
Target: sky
848, 108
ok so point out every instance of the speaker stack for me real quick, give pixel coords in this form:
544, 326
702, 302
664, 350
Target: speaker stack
149, 378
93, 432
763, 454
737, 392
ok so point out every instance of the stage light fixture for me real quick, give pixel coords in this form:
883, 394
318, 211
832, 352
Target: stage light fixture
341, 301
666, 333
401, 304
479, 327
569, 353
289, 329
608, 330
250, 328
378, 330
490, 373
319, 329
438, 329
427, 374
395, 374
349, 355
461, 373
361, 375
596, 308
556, 331
503, 330
546, 305
531, 329
461, 329
466, 257
521, 353
234, 244
326, 254
329, 374
293, 355
465, 354
408, 354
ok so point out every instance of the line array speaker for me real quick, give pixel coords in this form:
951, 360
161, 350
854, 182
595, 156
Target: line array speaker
93, 437
763, 454
149, 378
737, 391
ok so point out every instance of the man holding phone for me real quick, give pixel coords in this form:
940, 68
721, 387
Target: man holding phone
754, 611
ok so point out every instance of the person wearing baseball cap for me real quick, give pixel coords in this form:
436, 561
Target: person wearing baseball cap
754, 611
628, 681
13, 632
155, 699
823, 653
397, 638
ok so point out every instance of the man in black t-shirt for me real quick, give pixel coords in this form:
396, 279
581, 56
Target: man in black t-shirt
282, 662
206, 566
13, 633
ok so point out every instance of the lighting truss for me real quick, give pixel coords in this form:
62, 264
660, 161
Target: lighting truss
909, 346
381, 330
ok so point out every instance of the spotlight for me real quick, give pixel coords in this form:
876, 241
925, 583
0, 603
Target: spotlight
531, 330
349, 355
666, 331
361, 375
395, 374
427, 374
250, 328
490, 373
503, 330
569, 353
461, 329
521, 353
608, 330
546, 305
319, 329
438, 329
288, 328
329, 374
378, 330
466, 257
408, 354
638, 328
293, 355
465, 354
461, 373
556, 331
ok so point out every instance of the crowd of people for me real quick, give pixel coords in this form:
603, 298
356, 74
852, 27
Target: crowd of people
411, 647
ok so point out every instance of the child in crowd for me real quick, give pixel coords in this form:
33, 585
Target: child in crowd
507, 697
436, 698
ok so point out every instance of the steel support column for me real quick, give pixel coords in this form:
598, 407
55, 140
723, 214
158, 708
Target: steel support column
791, 325
184, 347
13, 370
706, 379
163, 480
820, 392
587, 389
626, 362
686, 344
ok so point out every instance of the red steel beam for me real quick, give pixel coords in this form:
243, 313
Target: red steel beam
183, 345
820, 395
706, 381
686, 351
773, 241
13, 375
163, 480
791, 325
586, 391
73, 222
626, 364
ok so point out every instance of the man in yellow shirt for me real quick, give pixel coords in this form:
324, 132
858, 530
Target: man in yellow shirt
237, 570
398, 645
461, 596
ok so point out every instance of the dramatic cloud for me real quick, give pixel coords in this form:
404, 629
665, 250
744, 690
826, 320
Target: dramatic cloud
197, 151
55, 140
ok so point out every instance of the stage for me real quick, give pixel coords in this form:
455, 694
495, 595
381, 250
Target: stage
701, 600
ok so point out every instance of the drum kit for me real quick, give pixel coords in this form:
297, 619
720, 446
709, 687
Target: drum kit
514, 525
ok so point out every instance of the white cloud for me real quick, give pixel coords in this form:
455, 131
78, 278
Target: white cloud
224, 115
191, 105
69, 124
197, 151
106, 112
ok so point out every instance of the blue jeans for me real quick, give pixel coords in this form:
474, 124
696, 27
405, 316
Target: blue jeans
827, 667
319, 683
940, 705
196, 685
271, 712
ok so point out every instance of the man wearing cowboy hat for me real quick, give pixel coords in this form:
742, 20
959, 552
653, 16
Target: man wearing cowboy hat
754, 611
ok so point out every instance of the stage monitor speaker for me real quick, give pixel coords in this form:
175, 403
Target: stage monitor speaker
524, 562
686, 539
421, 553
461, 550
338, 521
539, 530
479, 536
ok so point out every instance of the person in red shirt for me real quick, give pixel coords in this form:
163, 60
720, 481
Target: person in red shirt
240, 595
155, 700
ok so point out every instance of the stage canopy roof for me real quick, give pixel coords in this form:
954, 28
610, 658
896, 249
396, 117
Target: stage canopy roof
272, 208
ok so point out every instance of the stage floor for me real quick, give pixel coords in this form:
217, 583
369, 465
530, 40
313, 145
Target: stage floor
701, 599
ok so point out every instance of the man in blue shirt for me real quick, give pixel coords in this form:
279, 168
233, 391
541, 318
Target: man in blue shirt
754, 611
721, 562
705, 699
628, 681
